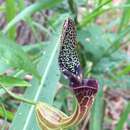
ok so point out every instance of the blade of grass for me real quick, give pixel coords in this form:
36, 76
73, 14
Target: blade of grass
10, 14
117, 42
45, 91
123, 118
124, 71
30, 10
4, 116
94, 14
12, 81
9, 115
21, 4
42, 28
125, 17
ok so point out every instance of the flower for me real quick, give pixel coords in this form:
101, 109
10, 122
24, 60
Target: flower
84, 89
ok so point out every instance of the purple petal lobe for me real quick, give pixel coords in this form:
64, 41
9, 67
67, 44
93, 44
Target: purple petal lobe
91, 83
85, 93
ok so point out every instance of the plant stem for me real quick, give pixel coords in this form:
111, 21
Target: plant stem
5, 117
18, 97
73, 8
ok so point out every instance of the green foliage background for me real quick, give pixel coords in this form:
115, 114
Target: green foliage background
102, 54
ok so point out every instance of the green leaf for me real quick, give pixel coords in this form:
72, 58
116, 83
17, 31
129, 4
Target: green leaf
111, 62
10, 14
12, 81
125, 17
93, 41
123, 118
9, 115
13, 55
30, 10
43, 91
3, 66
119, 40
124, 71
34, 51
96, 12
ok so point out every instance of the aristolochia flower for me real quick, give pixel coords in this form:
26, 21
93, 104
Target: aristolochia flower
84, 89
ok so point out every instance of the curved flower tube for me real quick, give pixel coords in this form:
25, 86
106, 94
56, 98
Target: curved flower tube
50, 118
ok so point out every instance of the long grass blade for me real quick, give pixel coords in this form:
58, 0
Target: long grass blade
123, 118
10, 14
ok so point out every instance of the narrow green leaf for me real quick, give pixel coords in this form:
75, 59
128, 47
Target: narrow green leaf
87, 19
123, 118
21, 4
124, 71
12, 81
3, 66
9, 115
45, 91
118, 40
10, 14
30, 10
125, 17
13, 55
